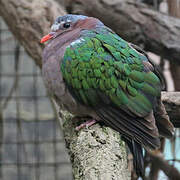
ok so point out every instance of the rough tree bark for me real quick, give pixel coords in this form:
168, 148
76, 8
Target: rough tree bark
171, 101
98, 151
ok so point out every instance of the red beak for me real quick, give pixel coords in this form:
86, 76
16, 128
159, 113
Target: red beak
46, 38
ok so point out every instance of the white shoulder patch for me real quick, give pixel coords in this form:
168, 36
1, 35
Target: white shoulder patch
80, 40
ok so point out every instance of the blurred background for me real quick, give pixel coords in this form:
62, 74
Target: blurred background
31, 142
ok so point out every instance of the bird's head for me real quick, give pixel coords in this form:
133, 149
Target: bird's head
70, 22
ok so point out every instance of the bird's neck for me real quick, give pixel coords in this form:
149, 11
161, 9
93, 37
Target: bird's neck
58, 45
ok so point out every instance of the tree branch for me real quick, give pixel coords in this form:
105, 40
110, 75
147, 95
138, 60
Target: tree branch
96, 153
135, 22
170, 171
171, 101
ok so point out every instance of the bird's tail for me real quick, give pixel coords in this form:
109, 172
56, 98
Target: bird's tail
137, 152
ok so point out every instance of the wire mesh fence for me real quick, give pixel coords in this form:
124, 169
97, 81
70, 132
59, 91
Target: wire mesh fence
31, 144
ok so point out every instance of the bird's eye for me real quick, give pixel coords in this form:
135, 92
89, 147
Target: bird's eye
66, 25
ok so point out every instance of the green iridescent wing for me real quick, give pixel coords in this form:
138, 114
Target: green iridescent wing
103, 71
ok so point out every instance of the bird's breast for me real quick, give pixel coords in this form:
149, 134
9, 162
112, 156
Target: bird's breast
57, 88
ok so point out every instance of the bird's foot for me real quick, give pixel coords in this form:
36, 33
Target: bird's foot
86, 124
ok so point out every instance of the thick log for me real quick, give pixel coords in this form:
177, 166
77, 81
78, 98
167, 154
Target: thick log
135, 22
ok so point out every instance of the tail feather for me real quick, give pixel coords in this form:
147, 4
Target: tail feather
129, 126
137, 151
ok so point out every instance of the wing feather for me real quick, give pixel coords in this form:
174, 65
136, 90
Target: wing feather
107, 74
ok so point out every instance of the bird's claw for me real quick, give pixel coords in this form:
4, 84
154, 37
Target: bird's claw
86, 124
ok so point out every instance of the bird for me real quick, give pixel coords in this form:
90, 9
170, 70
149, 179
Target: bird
91, 71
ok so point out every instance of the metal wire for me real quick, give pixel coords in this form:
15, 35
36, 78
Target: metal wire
31, 143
